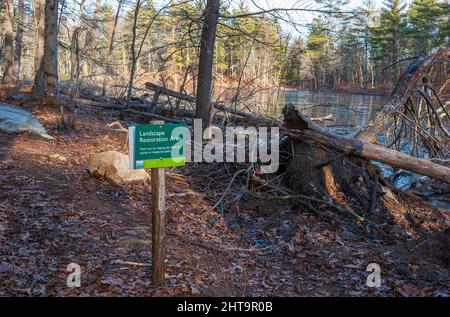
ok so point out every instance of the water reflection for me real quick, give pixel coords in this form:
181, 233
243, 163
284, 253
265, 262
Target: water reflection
348, 112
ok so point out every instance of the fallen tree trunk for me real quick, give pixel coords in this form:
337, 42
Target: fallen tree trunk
217, 105
153, 115
300, 127
415, 76
168, 92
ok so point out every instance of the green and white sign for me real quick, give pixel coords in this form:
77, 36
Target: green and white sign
156, 146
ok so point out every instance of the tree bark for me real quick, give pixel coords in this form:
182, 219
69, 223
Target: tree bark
133, 50
38, 86
74, 63
19, 38
207, 43
8, 64
51, 50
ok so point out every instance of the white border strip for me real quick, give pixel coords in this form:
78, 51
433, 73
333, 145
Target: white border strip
131, 149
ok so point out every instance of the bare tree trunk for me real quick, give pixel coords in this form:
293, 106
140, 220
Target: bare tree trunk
109, 71
133, 50
366, 59
38, 86
19, 38
75, 54
51, 50
89, 39
74, 63
63, 6
136, 53
208, 39
8, 64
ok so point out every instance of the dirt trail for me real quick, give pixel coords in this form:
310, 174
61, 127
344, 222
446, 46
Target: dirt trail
52, 213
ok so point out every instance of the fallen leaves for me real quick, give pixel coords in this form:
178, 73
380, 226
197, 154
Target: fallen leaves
55, 214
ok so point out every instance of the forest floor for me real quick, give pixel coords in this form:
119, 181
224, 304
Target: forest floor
53, 213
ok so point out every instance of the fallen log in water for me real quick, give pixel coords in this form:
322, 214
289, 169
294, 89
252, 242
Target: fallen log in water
300, 127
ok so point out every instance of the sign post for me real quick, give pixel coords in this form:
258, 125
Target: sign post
158, 224
158, 176
157, 146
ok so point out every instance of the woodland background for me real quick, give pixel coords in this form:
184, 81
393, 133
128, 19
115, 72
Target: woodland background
111, 45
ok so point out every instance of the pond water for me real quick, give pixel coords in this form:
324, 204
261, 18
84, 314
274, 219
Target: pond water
346, 113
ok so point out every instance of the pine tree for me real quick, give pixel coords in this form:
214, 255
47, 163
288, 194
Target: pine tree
389, 38
318, 41
360, 29
444, 25
425, 17
292, 70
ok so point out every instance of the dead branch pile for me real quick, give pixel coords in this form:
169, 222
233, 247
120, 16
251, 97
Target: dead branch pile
321, 171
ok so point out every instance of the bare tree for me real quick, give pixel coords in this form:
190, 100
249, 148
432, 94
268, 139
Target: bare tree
208, 39
51, 49
46, 58
8, 75
136, 53
91, 35
109, 70
133, 48
19, 37
75, 54
39, 14
74, 63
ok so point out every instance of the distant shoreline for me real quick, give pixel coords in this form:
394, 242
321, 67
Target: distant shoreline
372, 92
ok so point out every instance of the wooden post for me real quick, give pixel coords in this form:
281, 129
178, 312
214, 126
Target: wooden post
158, 221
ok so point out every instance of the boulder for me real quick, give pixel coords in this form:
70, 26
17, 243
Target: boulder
58, 157
14, 119
115, 166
